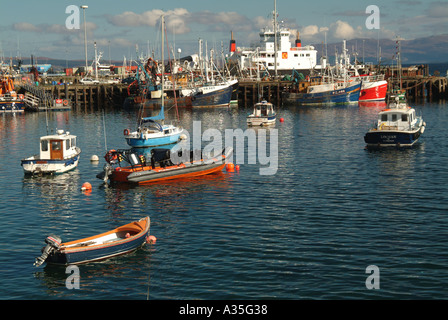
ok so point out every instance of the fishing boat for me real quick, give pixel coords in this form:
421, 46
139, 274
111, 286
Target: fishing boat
397, 125
10, 100
58, 154
152, 133
121, 240
127, 166
263, 114
212, 95
336, 92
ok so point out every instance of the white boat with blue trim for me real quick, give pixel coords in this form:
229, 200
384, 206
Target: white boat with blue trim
397, 126
58, 154
263, 114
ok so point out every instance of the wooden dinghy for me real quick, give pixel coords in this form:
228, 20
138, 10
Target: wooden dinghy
115, 242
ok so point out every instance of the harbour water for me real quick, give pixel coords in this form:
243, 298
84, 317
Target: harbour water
310, 231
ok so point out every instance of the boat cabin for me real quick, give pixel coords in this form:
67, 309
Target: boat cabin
263, 109
397, 116
58, 146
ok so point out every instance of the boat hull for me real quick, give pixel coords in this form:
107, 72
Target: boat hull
12, 106
34, 165
261, 121
83, 254
156, 141
346, 95
218, 98
392, 138
146, 174
373, 91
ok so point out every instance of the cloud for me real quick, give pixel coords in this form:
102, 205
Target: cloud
179, 20
342, 30
25, 26
438, 10
53, 29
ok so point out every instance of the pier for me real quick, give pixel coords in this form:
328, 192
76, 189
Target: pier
417, 82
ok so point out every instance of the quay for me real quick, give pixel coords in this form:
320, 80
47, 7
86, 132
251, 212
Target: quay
416, 80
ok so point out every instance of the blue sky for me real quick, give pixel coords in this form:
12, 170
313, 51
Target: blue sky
38, 27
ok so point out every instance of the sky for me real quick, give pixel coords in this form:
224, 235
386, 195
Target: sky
127, 28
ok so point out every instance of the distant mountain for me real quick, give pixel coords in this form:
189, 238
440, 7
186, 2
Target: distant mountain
432, 49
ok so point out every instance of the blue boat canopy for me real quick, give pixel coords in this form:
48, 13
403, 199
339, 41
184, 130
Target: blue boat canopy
160, 116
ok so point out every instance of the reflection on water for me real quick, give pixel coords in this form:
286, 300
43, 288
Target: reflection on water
54, 193
166, 195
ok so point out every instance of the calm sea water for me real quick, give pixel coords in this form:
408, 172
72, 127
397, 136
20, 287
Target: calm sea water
308, 232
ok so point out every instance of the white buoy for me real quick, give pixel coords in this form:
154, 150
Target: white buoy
183, 136
94, 158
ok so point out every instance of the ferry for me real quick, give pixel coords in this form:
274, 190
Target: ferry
288, 57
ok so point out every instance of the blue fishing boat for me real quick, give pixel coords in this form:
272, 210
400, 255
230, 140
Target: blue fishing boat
397, 125
328, 93
116, 242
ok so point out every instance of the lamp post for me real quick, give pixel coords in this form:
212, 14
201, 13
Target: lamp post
84, 7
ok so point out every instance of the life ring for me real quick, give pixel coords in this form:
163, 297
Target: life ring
21, 96
110, 156
65, 102
126, 132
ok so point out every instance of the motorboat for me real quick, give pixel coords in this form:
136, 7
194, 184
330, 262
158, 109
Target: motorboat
58, 154
127, 166
397, 125
118, 241
262, 115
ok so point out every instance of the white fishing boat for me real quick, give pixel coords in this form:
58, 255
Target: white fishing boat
263, 114
397, 125
58, 154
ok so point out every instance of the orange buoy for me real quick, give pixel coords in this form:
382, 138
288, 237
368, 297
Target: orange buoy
281, 119
230, 167
86, 186
237, 167
151, 239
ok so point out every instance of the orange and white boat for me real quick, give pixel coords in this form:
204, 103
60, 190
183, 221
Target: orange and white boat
112, 243
162, 165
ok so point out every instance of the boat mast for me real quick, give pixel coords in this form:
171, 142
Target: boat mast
163, 62
275, 37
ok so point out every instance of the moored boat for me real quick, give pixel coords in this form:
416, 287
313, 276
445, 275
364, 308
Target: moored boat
263, 114
373, 89
121, 240
397, 125
162, 165
151, 133
337, 92
10, 101
58, 154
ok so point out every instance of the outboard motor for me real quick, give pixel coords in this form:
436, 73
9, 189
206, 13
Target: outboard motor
104, 175
53, 244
